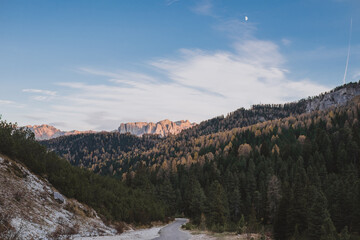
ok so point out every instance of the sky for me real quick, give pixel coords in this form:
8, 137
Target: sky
86, 64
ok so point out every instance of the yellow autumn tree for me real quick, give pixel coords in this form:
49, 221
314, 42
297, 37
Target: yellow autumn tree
244, 150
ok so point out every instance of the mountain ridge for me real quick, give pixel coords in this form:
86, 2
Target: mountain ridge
336, 97
162, 128
46, 132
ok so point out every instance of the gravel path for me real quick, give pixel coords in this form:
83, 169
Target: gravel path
171, 231
143, 234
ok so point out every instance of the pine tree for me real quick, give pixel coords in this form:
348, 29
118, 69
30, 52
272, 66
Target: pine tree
235, 205
217, 206
344, 235
242, 225
273, 196
320, 225
197, 200
282, 229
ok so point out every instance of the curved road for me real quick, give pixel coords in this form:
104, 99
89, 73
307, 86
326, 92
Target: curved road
173, 232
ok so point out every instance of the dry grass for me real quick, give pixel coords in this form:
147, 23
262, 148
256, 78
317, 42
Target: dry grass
71, 206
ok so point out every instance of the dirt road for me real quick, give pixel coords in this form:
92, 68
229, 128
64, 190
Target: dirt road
173, 231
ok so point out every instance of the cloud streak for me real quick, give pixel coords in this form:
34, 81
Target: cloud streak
39, 91
170, 2
41, 95
6, 102
204, 7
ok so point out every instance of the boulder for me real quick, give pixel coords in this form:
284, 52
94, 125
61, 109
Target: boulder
59, 198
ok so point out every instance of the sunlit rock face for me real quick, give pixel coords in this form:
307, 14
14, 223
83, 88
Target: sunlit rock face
163, 128
46, 132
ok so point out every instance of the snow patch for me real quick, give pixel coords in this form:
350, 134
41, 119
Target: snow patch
34, 183
27, 229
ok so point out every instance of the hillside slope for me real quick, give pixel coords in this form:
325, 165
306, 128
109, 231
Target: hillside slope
84, 150
29, 209
111, 199
339, 96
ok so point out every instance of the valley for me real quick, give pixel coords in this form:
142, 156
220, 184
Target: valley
179, 120
251, 172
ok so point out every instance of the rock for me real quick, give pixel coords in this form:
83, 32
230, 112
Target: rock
46, 132
338, 97
58, 197
163, 128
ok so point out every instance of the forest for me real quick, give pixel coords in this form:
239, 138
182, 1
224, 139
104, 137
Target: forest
297, 176
291, 177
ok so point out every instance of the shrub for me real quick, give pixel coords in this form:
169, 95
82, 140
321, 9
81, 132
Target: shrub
188, 226
217, 228
120, 227
19, 195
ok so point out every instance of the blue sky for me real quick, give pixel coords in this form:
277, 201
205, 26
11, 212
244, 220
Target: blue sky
94, 64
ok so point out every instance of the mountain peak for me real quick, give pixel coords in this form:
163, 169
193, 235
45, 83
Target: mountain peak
46, 132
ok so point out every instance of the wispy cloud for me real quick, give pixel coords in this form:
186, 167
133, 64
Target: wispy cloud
170, 2
32, 117
10, 104
286, 42
356, 75
204, 7
233, 27
45, 92
121, 76
40, 94
236, 28
6, 102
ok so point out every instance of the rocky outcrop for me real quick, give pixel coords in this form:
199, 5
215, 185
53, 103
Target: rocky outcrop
163, 128
337, 97
46, 132
30, 208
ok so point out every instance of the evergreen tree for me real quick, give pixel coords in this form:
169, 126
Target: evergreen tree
320, 224
217, 206
195, 201
344, 235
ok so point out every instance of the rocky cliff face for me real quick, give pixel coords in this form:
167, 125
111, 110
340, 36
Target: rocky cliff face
46, 132
337, 97
163, 128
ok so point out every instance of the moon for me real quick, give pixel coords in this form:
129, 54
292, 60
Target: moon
246, 18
